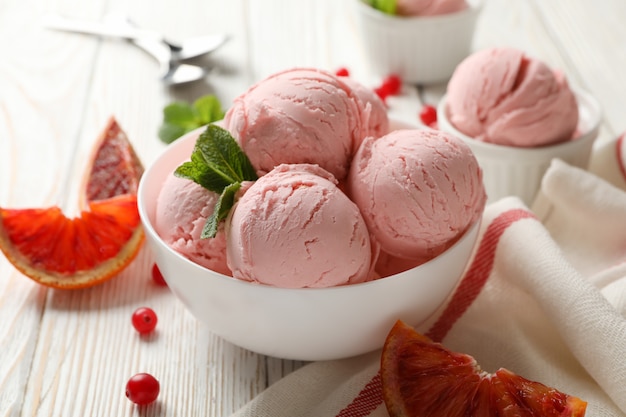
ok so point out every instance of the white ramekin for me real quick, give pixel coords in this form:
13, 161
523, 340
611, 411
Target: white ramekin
515, 171
421, 50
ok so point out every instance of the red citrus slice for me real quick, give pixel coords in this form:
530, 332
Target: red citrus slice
60, 252
115, 168
423, 378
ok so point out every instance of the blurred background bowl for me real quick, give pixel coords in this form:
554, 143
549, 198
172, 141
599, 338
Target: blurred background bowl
515, 171
421, 50
302, 324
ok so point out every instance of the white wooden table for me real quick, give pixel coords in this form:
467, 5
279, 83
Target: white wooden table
70, 353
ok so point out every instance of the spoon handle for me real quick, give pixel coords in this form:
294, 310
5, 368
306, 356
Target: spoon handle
92, 27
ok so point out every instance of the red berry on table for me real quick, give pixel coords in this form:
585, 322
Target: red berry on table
428, 115
342, 72
382, 92
142, 389
393, 84
157, 276
144, 320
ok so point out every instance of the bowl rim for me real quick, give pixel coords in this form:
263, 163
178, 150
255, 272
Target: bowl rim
585, 101
471, 232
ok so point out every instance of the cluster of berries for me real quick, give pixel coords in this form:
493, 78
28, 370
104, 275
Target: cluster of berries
391, 85
143, 388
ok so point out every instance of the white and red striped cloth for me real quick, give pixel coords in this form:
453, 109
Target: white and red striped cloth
544, 296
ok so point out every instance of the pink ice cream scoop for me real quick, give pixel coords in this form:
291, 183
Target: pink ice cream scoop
293, 228
374, 111
429, 7
502, 96
181, 212
297, 116
418, 191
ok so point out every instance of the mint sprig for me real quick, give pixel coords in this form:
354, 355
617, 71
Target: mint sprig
385, 6
180, 117
218, 164
220, 211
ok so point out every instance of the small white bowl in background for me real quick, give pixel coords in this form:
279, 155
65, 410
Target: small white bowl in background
420, 49
515, 171
303, 324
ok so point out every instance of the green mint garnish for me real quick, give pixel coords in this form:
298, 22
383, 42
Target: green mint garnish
217, 161
385, 6
220, 212
219, 165
181, 117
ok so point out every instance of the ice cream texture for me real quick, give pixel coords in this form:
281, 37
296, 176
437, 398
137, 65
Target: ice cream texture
300, 115
418, 191
181, 212
339, 198
503, 96
429, 7
374, 111
293, 228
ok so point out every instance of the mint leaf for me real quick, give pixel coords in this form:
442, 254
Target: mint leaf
180, 117
385, 6
218, 164
222, 149
208, 109
169, 132
201, 172
220, 212
217, 161
179, 113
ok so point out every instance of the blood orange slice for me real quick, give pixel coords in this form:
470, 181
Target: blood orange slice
115, 168
423, 378
60, 252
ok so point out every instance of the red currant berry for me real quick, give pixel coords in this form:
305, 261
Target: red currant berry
142, 389
157, 276
144, 320
342, 72
428, 115
382, 92
393, 84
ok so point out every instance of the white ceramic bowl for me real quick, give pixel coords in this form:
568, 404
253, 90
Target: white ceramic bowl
421, 50
514, 171
303, 324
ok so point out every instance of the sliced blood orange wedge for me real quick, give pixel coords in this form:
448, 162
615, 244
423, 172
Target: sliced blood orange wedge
60, 252
115, 168
423, 378
70, 253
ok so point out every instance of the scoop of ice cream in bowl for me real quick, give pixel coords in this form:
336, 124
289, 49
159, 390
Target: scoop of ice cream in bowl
517, 114
298, 262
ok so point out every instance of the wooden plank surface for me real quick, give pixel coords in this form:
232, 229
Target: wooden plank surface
70, 353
